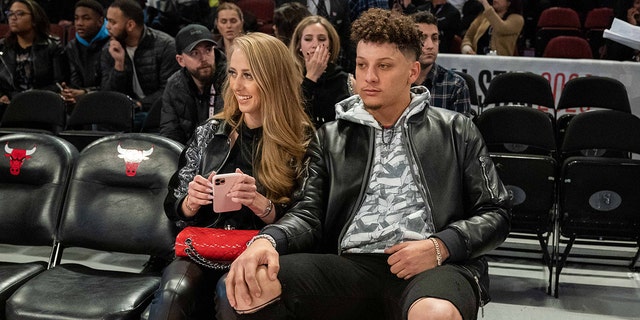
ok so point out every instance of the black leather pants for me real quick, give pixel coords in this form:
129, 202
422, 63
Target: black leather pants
187, 291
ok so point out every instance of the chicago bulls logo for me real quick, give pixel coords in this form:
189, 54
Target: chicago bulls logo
132, 158
17, 157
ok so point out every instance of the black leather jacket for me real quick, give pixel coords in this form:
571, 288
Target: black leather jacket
48, 65
84, 64
467, 199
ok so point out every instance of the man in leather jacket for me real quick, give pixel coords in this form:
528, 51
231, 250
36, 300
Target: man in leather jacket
83, 52
400, 204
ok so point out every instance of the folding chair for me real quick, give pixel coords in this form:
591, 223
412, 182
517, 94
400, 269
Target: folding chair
520, 88
38, 111
98, 114
599, 195
521, 143
553, 22
590, 92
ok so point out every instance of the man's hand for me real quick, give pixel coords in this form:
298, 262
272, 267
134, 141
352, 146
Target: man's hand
117, 53
410, 258
242, 284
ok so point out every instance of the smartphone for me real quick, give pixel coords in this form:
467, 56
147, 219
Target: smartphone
222, 183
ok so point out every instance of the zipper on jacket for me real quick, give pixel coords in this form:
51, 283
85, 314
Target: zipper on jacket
485, 176
475, 278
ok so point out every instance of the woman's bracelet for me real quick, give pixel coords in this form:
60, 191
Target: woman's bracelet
267, 210
186, 203
438, 253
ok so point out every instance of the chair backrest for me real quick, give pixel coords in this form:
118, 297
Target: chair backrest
41, 110
262, 10
559, 17
471, 83
151, 123
115, 200
571, 47
34, 174
515, 129
520, 88
602, 129
599, 18
553, 22
594, 92
107, 108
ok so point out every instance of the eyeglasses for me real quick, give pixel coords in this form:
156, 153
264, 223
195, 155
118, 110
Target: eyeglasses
18, 14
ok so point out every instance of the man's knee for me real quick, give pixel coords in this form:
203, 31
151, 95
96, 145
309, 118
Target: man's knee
433, 309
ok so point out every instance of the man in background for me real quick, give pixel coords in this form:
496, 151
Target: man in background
194, 94
137, 60
448, 90
83, 52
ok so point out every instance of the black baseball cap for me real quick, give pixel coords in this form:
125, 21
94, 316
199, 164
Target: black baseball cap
189, 37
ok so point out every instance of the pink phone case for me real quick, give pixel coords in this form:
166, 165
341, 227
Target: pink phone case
222, 183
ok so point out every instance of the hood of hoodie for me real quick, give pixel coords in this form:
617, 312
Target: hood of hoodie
352, 109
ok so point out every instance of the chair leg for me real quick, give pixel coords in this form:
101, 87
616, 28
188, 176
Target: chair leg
632, 266
562, 261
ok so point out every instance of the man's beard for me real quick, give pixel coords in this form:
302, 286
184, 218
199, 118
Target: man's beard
371, 107
121, 37
203, 77
425, 65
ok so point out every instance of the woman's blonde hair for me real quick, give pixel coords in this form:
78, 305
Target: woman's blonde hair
296, 39
286, 128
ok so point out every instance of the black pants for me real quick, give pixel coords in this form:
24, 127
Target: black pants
187, 291
360, 286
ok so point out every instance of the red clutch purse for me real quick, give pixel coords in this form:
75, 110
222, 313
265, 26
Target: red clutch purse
212, 248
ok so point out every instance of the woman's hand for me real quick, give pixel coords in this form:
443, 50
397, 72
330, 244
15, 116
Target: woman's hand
632, 15
316, 62
200, 193
245, 192
486, 4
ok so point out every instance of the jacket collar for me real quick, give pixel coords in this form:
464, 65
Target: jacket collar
352, 109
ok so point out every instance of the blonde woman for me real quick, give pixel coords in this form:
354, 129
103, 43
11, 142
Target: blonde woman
229, 23
263, 134
315, 44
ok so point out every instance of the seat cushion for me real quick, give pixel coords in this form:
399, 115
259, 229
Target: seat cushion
13, 275
72, 291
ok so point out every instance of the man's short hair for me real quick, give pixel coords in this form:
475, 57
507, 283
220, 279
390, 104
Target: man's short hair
385, 26
130, 9
91, 4
424, 17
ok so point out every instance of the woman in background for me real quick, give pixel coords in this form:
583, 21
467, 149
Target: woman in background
262, 133
31, 58
316, 45
229, 24
495, 30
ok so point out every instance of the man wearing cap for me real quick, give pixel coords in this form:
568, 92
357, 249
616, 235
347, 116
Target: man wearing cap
193, 92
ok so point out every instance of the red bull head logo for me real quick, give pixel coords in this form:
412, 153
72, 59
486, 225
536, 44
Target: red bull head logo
132, 158
17, 157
